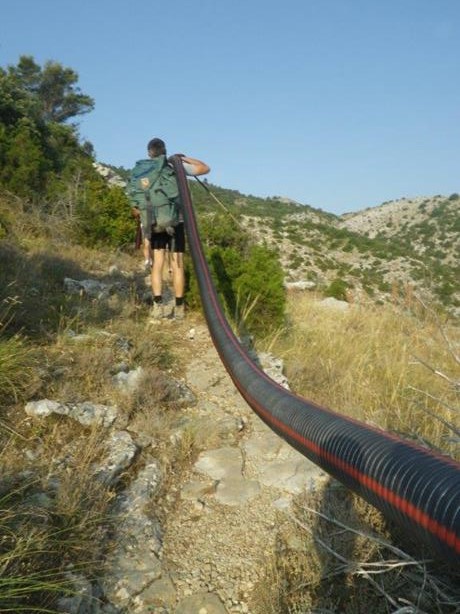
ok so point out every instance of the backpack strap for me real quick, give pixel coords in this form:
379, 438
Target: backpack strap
149, 187
149, 216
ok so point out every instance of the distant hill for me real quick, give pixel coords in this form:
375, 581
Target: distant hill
399, 247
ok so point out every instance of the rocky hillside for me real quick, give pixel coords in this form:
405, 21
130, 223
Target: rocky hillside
401, 246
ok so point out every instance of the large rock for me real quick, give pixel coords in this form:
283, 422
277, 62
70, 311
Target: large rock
134, 564
86, 413
300, 285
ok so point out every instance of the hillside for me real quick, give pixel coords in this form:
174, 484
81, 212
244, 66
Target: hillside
102, 416
131, 460
399, 247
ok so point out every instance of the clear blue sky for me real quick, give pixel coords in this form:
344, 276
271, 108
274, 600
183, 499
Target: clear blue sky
340, 104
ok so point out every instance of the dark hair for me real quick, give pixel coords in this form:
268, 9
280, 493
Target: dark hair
156, 147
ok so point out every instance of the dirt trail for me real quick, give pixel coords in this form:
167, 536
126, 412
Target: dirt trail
220, 539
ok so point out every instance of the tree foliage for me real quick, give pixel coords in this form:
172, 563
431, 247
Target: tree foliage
37, 145
52, 89
41, 158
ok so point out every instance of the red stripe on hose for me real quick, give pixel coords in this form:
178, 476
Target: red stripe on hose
409, 509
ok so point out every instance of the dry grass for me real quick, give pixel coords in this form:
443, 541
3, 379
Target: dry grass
53, 514
384, 365
390, 367
393, 367
18, 363
334, 554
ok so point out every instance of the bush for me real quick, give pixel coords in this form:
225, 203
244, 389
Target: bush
248, 278
261, 284
104, 216
337, 289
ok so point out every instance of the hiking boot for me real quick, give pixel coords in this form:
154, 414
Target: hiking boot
157, 313
147, 266
179, 312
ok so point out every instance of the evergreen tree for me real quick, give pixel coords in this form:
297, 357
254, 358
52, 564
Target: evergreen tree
39, 151
24, 165
54, 87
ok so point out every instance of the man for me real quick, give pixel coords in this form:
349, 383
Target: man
175, 244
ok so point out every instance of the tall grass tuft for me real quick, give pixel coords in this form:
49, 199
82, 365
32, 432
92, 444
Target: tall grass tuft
18, 360
392, 368
53, 520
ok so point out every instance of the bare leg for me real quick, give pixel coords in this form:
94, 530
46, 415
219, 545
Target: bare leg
178, 274
157, 271
147, 251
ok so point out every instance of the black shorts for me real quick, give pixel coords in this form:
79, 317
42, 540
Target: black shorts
175, 242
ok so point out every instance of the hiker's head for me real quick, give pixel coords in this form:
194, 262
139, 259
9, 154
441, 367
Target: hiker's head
156, 147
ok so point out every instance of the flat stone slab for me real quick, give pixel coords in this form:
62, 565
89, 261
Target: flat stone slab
201, 603
221, 463
264, 446
161, 593
236, 491
195, 490
293, 476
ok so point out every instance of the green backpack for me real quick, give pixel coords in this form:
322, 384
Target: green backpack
153, 189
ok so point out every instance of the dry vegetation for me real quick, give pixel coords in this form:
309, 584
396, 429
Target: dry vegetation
396, 367
392, 366
335, 554
53, 513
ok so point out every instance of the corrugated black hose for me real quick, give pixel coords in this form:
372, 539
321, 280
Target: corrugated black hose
412, 486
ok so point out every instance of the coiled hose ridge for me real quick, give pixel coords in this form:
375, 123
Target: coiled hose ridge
415, 488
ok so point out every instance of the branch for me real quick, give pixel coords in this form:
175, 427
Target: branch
432, 414
452, 352
352, 566
452, 382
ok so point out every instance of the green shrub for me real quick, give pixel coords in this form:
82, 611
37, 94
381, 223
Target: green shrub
296, 261
104, 216
260, 284
337, 289
248, 278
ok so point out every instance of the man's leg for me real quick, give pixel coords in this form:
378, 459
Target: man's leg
178, 284
157, 271
157, 284
147, 253
178, 274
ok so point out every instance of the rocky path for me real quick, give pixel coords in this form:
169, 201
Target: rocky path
199, 539
223, 511
204, 547
219, 540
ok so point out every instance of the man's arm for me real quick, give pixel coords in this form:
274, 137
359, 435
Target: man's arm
198, 167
